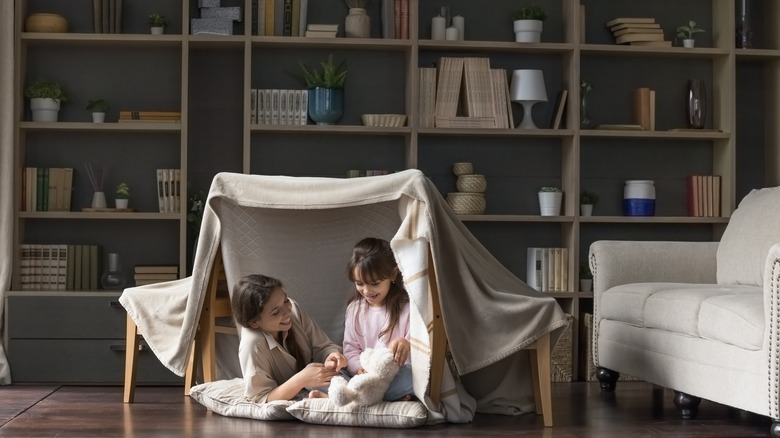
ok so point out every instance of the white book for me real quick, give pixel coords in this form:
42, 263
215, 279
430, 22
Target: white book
275, 106
304, 11
176, 190
253, 106
267, 105
304, 107
166, 180
282, 107
259, 117
160, 191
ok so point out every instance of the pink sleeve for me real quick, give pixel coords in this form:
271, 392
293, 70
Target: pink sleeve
352, 345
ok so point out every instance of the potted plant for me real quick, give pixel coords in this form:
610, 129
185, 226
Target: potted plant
98, 108
45, 99
586, 278
587, 201
528, 22
550, 201
157, 23
326, 91
686, 33
122, 196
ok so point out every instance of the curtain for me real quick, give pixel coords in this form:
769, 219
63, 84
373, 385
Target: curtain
6, 166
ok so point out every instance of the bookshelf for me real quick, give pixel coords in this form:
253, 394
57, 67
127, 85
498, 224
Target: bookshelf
208, 78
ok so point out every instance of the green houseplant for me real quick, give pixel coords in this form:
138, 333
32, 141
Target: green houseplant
122, 195
157, 23
586, 278
528, 23
98, 108
588, 200
687, 31
45, 99
326, 91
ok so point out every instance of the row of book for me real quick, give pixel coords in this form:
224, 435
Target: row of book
46, 188
59, 267
464, 93
548, 269
703, 195
107, 16
637, 31
279, 107
149, 116
169, 190
150, 274
279, 17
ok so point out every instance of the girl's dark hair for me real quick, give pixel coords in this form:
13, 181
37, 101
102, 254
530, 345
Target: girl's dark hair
249, 297
374, 260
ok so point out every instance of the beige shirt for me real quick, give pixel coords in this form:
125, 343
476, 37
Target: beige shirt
266, 364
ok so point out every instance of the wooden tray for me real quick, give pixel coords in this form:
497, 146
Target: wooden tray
108, 210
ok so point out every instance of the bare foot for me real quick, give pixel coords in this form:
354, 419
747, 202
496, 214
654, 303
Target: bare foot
407, 397
317, 394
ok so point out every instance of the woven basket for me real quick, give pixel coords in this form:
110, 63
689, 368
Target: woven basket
467, 203
462, 168
384, 120
471, 183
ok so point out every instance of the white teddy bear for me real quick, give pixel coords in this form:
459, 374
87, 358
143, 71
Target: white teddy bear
368, 388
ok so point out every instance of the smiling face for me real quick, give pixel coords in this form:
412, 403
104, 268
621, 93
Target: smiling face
374, 291
276, 316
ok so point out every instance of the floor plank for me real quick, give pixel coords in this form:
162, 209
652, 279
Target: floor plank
16, 399
636, 409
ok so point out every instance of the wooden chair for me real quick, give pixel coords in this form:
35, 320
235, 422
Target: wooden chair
216, 305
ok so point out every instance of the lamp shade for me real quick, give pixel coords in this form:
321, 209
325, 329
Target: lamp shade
528, 86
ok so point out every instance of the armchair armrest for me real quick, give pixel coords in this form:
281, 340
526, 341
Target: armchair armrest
622, 262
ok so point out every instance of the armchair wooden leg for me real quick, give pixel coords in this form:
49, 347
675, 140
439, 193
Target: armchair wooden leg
131, 355
189, 375
540, 372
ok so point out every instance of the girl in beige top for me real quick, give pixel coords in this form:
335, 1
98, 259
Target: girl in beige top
282, 350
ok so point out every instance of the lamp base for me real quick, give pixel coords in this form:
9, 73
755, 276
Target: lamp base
528, 121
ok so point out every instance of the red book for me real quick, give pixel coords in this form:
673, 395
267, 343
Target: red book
397, 14
405, 19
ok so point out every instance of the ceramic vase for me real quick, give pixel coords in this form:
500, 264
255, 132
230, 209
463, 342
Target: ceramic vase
357, 24
326, 105
528, 31
550, 203
99, 200
44, 109
744, 28
113, 278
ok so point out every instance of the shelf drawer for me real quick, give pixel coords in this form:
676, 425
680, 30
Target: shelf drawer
65, 317
99, 361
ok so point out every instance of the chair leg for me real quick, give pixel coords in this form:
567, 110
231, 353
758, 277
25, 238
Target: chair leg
189, 376
540, 372
131, 355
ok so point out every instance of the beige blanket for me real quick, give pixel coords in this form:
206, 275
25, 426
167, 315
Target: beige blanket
302, 230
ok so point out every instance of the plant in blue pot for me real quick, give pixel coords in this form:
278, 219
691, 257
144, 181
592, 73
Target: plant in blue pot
326, 91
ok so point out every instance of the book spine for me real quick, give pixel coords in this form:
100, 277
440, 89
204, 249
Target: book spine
287, 18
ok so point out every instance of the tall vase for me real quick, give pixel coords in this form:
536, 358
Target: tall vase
744, 28
585, 121
357, 24
99, 200
326, 105
113, 277
696, 104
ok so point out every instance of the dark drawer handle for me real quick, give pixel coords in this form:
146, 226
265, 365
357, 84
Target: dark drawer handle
114, 304
123, 347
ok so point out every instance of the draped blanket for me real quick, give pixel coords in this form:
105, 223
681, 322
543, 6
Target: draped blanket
302, 230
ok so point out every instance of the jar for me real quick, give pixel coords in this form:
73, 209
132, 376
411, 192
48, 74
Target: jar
639, 198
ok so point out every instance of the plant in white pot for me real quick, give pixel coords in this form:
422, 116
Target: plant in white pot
686, 33
550, 201
588, 200
45, 99
528, 23
98, 108
586, 278
122, 199
157, 23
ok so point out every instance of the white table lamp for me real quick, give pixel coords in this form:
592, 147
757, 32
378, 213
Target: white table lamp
527, 89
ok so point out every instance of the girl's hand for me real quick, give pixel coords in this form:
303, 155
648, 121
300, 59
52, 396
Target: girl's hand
336, 361
360, 371
400, 348
316, 374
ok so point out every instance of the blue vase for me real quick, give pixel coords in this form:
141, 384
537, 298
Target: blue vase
326, 105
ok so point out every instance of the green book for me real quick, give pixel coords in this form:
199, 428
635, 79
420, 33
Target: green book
94, 267
85, 283
77, 267
69, 274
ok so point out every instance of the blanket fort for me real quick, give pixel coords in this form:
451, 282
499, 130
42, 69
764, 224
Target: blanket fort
302, 229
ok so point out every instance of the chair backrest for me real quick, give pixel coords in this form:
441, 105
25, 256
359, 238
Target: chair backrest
754, 227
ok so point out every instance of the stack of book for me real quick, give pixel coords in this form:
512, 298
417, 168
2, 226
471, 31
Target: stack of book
149, 116
279, 17
59, 267
637, 31
464, 93
322, 30
644, 108
703, 195
150, 274
47, 188
548, 269
107, 16
279, 107
169, 190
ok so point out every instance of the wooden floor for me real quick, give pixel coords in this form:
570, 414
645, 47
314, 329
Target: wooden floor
580, 410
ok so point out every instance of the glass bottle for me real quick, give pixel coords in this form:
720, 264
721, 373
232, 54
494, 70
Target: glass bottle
744, 28
113, 277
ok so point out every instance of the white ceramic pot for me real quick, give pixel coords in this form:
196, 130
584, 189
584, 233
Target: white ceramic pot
586, 209
528, 31
550, 203
121, 203
158, 30
689, 43
586, 284
44, 109
98, 117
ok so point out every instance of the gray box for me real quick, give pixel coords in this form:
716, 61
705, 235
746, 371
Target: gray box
229, 13
208, 3
212, 26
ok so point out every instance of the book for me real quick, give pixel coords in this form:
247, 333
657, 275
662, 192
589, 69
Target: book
630, 20
320, 33
155, 276
618, 27
287, 9
465, 122
478, 87
498, 79
142, 115
97, 16
631, 37
534, 267
388, 19
268, 13
320, 26
560, 106
303, 17
448, 86
628, 30
619, 127
157, 269
641, 107
404, 17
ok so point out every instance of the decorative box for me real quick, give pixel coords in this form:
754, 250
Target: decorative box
208, 3
229, 13
213, 26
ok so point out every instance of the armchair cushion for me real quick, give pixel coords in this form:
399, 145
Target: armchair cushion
752, 230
